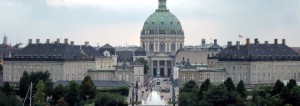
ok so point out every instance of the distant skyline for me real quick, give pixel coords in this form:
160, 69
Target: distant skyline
118, 22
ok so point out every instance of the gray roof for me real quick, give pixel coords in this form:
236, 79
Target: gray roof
55, 52
188, 65
99, 83
137, 62
125, 56
124, 66
140, 52
107, 47
257, 51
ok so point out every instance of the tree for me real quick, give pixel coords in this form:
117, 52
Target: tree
9, 100
145, 63
87, 88
291, 84
34, 77
241, 89
203, 88
24, 84
109, 99
185, 99
40, 95
7, 89
205, 85
218, 95
229, 84
72, 96
276, 100
189, 86
58, 92
278, 87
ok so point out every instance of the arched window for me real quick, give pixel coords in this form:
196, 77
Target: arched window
151, 46
143, 45
180, 44
162, 46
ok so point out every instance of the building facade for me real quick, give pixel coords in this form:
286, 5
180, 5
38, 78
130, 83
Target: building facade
63, 61
258, 63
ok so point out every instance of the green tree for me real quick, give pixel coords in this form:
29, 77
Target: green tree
203, 88
146, 66
40, 95
205, 85
7, 89
229, 84
87, 88
24, 84
240, 88
34, 77
73, 93
58, 92
278, 87
291, 84
184, 99
9, 100
189, 86
218, 95
276, 100
109, 99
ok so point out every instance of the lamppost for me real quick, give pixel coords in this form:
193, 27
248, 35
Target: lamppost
132, 97
137, 88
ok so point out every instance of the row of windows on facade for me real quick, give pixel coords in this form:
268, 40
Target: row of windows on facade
162, 46
260, 67
257, 77
51, 67
161, 32
55, 77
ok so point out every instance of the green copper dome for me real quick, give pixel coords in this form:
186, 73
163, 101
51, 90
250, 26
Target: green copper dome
162, 22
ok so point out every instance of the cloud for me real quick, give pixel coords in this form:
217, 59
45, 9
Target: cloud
99, 3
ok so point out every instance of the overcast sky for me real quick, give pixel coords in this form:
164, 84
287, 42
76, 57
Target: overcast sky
118, 22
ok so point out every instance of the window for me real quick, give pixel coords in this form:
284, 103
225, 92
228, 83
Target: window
183, 77
192, 77
208, 76
200, 77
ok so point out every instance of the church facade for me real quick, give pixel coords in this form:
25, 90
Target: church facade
162, 35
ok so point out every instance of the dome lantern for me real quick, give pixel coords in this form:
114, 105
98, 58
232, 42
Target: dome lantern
162, 5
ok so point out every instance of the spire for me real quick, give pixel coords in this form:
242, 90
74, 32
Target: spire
4, 39
162, 5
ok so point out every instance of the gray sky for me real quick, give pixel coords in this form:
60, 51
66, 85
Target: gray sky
118, 22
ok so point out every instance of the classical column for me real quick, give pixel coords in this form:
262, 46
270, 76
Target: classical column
154, 46
170, 46
166, 69
157, 68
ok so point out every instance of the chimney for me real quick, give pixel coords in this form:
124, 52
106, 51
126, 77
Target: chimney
72, 43
283, 41
215, 41
48, 41
29, 41
275, 41
86, 43
256, 41
203, 42
37, 41
266, 42
229, 43
247, 41
58, 41
238, 44
66, 41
